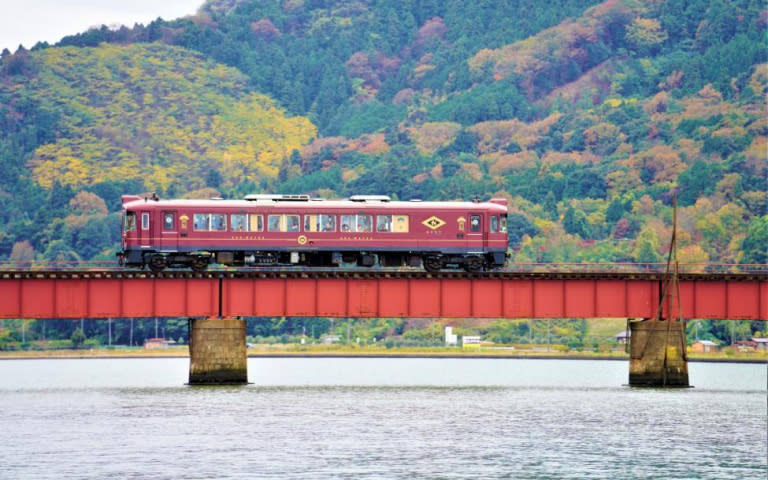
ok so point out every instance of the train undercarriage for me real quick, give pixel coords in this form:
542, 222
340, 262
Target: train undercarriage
201, 260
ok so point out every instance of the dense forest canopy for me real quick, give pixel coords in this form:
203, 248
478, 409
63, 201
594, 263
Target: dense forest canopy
589, 116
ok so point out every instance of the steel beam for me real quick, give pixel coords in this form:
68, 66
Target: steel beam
374, 294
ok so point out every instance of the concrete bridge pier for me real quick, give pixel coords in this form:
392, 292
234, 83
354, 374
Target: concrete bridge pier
217, 352
657, 354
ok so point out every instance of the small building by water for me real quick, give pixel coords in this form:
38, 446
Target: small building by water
155, 343
451, 339
704, 346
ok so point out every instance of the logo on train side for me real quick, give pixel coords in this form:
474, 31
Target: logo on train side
433, 222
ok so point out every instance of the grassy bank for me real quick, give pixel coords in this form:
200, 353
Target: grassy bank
283, 350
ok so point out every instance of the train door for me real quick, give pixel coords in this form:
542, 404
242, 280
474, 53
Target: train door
145, 230
169, 233
476, 237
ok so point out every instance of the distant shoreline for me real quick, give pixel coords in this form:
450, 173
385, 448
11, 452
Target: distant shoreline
179, 353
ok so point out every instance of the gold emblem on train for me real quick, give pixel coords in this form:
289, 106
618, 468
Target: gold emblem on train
433, 222
462, 222
302, 240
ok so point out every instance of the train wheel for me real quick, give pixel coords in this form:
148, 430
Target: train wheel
432, 263
199, 263
157, 263
473, 264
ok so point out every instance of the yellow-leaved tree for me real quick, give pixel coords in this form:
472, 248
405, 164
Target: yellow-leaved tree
157, 113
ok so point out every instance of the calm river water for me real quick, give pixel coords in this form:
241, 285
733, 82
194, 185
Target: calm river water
321, 418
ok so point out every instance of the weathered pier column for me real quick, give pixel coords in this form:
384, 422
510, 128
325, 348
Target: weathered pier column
657, 354
217, 352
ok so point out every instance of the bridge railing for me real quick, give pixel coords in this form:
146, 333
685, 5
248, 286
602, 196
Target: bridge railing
593, 267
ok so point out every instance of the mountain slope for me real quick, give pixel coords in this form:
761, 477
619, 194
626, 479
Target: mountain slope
152, 112
590, 116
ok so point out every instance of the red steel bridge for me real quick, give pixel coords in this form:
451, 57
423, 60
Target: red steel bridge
115, 293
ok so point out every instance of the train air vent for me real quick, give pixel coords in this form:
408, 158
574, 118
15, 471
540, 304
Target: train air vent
370, 198
277, 198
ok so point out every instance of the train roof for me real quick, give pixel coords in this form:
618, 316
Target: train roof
271, 202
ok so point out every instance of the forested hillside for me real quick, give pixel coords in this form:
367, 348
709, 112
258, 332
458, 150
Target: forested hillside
590, 117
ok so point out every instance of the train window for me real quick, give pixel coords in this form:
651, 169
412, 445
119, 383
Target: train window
273, 223
145, 220
475, 225
293, 223
356, 223
218, 222
283, 223
503, 223
494, 224
130, 222
257, 223
238, 222
392, 223
169, 221
210, 222
364, 223
384, 223
319, 223
202, 222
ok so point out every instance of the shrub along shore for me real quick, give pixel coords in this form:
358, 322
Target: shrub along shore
338, 351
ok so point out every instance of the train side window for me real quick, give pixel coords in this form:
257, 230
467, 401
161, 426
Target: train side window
292, 223
504, 223
145, 220
257, 223
356, 223
202, 222
475, 225
273, 223
238, 222
364, 223
384, 223
319, 223
327, 223
347, 223
130, 222
169, 221
311, 223
218, 222
494, 224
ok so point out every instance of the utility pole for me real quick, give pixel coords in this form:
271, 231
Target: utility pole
348, 327
549, 332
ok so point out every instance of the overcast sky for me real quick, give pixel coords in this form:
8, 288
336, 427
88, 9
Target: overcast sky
27, 22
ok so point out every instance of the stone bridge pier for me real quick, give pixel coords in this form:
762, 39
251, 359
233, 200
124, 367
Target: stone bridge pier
217, 351
657, 354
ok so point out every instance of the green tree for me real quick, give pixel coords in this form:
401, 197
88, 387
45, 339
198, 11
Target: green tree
77, 338
575, 222
647, 247
755, 246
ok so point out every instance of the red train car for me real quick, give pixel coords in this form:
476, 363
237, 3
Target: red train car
263, 230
